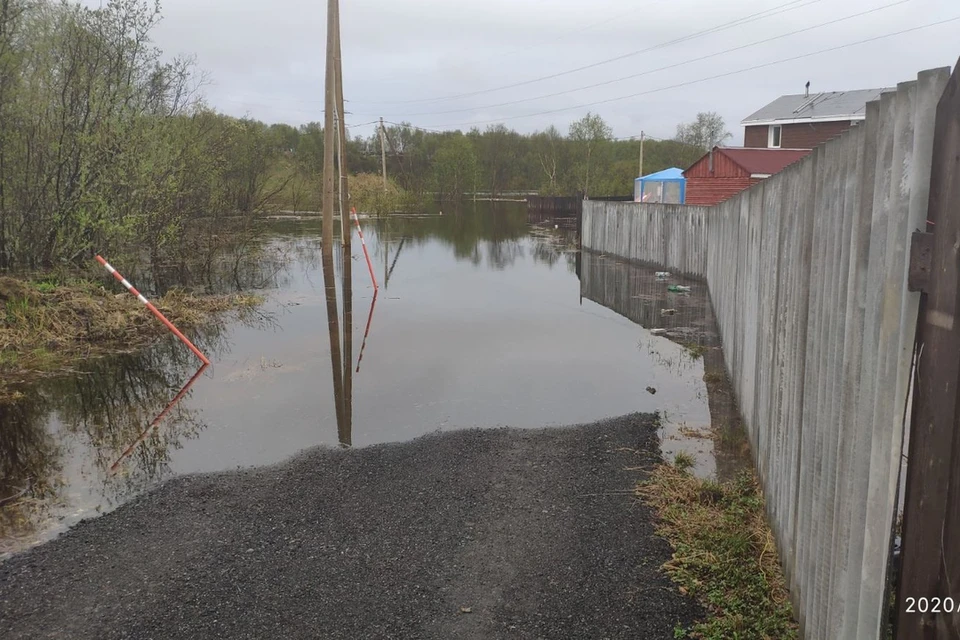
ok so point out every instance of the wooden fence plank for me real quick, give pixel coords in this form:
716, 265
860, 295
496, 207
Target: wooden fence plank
931, 548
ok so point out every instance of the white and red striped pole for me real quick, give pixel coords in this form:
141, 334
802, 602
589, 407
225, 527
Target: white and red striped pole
353, 213
153, 309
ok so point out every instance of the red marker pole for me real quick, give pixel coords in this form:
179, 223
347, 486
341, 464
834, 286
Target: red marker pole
353, 212
153, 309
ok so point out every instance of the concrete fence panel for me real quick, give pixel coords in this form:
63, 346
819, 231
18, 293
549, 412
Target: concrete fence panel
807, 274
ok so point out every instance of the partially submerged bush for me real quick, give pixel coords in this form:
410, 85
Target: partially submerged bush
368, 195
46, 329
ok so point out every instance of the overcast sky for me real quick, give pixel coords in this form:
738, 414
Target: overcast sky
265, 57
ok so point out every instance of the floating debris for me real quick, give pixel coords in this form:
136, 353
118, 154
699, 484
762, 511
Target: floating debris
678, 288
662, 275
668, 312
659, 332
652, 391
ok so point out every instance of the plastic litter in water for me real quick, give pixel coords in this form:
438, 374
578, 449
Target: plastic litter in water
678, 288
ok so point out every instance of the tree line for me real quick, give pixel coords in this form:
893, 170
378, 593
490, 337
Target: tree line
586, 160
106, 146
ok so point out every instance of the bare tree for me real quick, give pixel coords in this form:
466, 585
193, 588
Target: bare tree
548, 145
706, 132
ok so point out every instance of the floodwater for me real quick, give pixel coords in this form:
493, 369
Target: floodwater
483, 319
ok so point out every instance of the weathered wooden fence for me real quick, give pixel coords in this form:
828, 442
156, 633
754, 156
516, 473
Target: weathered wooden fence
555, 205
931, 523
808, 274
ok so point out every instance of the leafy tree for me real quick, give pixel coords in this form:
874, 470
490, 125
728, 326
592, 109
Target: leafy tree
590, 136
706, 132
499, 155
455, 167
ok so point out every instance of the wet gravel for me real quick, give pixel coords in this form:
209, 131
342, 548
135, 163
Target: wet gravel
472, 534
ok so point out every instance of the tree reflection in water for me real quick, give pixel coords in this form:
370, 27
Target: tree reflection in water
62, 436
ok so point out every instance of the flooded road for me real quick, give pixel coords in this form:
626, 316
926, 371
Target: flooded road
482, 320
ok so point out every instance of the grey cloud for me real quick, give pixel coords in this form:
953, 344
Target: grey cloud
266, 58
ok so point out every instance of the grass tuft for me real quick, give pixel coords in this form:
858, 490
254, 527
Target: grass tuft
695, 350
684, 461
724, 553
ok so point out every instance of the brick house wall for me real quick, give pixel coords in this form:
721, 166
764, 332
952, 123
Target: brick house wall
710, 191
796, 136
726, 180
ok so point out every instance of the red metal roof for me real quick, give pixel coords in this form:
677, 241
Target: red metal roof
764, 161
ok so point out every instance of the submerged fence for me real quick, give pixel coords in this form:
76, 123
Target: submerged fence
808, 274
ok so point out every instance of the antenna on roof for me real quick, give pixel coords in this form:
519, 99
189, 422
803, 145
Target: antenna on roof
806, 94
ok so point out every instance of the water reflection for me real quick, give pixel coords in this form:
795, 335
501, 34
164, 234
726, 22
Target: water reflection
366, 331
160, 416
638, 293
486, 234
102, 412
482, 325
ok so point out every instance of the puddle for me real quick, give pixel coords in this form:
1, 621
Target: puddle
481, 321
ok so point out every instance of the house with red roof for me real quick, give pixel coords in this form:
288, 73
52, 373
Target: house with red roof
726, 171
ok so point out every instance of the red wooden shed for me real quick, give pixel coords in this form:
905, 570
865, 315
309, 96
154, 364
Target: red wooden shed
726, 171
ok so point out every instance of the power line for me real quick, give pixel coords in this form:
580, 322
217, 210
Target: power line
648, 72
646, 136
760, 15
713, 77
410, 126
564, 34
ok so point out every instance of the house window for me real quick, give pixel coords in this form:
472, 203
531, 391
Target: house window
773, 138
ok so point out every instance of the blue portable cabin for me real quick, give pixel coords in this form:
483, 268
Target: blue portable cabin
667, 186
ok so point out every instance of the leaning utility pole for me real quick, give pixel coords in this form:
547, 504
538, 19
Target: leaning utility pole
383, 154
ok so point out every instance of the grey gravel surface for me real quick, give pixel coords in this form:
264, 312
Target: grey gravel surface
472, 534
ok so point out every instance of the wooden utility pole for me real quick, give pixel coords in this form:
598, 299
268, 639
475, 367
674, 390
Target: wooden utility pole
345, 233
383, 154
333, 117
640, 174
930, 571
345, 427
329, 139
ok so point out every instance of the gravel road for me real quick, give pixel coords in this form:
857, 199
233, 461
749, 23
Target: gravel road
471, 534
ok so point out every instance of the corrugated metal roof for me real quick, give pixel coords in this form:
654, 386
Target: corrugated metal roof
835, 105
764, 161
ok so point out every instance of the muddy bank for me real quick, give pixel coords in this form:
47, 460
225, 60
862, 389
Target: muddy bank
473, 534
48, 325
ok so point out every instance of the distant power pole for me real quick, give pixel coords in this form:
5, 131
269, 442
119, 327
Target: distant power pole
383, 154
640, 175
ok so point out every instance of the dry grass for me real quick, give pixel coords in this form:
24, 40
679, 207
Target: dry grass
48, 327
724, 553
